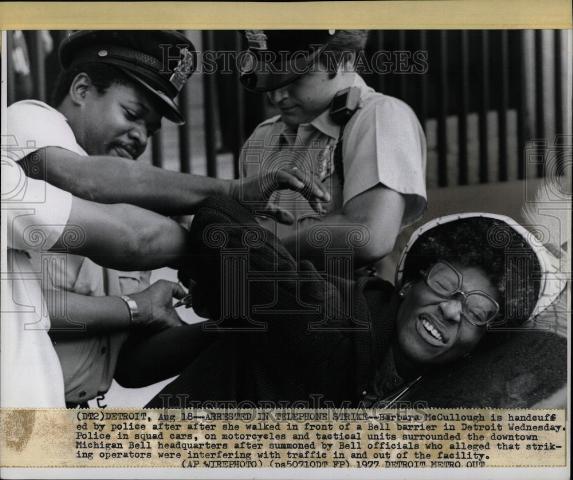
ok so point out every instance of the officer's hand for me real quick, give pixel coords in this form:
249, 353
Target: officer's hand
255, 191
155, 305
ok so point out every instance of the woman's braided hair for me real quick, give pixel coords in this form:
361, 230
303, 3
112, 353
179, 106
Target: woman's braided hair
491, 245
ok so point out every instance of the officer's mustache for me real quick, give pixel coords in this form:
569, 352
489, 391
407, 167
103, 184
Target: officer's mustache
133, 150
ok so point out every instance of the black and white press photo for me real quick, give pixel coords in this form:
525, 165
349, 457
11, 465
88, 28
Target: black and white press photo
290, 218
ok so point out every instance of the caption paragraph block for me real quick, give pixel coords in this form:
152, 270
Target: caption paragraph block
453, 438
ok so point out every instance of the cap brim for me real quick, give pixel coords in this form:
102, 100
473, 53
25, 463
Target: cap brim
268, 77
169, 108
267, 82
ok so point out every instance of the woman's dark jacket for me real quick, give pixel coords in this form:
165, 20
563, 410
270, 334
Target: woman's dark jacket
282, 331
285, 332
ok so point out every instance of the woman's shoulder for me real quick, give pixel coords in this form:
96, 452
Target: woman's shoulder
526, 368
375, 298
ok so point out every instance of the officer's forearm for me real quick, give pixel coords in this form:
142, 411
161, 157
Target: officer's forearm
336, 232
124, 237
74, 315
117, 180
366, 227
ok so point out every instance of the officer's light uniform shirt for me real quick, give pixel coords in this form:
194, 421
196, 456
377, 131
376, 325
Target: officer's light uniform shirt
88, 363
382, 144
31, 374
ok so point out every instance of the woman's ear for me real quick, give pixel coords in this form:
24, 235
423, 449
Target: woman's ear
79, 88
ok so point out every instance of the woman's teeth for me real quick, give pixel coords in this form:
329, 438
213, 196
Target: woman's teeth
432, 330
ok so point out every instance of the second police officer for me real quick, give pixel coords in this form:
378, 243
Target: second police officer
366, 148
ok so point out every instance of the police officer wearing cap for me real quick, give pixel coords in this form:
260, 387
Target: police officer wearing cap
114, 89
366, 148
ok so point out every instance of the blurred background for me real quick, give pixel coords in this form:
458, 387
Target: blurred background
484, 97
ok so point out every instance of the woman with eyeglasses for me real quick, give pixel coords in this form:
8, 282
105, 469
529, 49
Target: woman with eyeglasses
279, 330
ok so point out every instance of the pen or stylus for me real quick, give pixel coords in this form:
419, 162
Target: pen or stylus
186, 300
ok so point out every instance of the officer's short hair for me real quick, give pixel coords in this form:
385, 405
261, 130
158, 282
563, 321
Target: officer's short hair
344, 46
102, 76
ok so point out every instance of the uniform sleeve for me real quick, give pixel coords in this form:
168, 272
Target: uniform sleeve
34, 125
385, 144
36, 212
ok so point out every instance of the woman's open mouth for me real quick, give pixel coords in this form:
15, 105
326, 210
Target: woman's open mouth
430, 331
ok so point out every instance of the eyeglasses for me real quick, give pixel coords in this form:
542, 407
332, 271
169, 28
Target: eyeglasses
478, 308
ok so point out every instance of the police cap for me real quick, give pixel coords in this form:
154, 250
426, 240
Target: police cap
159, 61
276, 58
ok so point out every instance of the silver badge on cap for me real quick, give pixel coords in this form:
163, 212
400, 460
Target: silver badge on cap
246, 62
183, 70
257, 39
